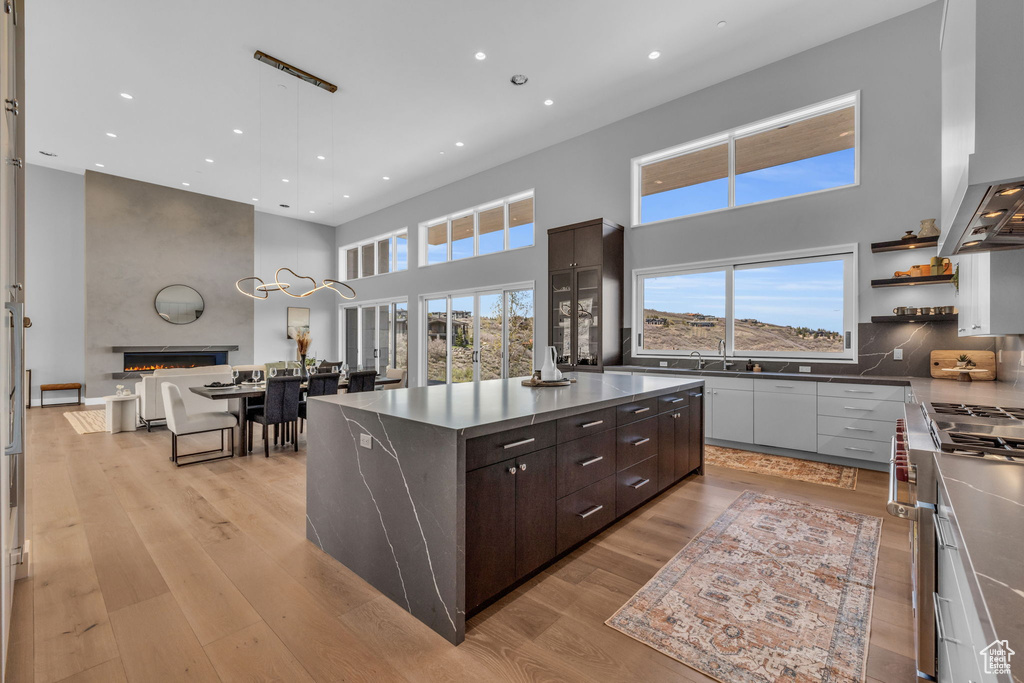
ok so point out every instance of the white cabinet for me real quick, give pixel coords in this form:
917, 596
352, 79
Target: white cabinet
786, 419
989, 300
733, 411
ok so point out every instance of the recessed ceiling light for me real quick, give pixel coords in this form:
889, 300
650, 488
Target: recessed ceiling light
654, 55
993, 214
237, 131
100, 166
969, 244
255, 199
1010, 190
111, 135
345, 196
387, 177
209, 161
548, 103
321, 157
480, 56
312, 211
186, 184
441, 152
721, 24
127, 96
284, 180
460, 144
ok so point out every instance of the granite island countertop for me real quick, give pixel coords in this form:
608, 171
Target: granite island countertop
474, 408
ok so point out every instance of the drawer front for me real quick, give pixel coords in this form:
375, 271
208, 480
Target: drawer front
635, 442
635, 410
738, 383
635, 484
856, 449
584, 512
862, 408
578, 426
583, 461
674, 401
879, 392
492, 448
781, 386
873, 430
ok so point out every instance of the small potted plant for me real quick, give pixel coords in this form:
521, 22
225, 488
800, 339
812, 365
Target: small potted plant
963, 361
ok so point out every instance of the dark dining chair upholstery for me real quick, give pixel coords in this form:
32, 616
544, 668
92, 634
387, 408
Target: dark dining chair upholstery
280, 407
321, 384
363, 380
326, 365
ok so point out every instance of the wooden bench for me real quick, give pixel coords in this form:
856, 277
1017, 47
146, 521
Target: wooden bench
67, 386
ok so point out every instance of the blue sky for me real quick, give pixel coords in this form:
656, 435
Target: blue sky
798, 177
801, 295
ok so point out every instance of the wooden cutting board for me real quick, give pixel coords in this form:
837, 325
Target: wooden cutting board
983, 360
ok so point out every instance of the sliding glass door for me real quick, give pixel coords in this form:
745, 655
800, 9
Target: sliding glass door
478, 335
375, 336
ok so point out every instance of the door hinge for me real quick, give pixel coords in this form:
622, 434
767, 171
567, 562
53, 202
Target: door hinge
17, 163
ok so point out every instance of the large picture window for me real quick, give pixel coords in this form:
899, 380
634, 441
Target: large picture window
799, 306
805, 151
486, 229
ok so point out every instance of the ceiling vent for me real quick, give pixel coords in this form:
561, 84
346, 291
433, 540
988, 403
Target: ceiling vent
518, 79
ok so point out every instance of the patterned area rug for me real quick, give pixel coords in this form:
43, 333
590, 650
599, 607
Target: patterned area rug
773, 590
780, 466
88, 421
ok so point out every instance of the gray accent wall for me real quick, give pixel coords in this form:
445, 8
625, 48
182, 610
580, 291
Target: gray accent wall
54, 275
895, 67
141, 237
308, 249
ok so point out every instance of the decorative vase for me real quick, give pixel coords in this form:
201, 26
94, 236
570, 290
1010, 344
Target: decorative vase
302, 366
928, 228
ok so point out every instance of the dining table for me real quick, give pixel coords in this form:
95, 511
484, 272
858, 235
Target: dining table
249, 390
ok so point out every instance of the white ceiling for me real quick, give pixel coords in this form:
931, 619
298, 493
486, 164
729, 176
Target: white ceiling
409, 85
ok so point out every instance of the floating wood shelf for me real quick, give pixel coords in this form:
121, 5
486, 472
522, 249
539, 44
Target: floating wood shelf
900, 245
914, 318
907, 281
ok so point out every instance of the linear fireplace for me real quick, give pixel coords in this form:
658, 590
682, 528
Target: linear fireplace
143, 360
161, 360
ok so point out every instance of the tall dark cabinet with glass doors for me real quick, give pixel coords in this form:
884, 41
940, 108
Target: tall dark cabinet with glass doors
585, 295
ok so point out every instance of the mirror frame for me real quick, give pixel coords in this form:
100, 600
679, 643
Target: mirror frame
201, 309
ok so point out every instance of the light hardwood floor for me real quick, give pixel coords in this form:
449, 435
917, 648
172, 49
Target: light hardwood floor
146, 572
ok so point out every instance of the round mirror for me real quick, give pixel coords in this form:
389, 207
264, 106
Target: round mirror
179, 304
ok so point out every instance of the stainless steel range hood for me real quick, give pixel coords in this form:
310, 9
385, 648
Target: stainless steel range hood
982, 126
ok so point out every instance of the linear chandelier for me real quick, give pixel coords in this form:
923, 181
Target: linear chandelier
266, 288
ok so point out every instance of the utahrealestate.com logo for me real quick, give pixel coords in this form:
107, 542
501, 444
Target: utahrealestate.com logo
997, 657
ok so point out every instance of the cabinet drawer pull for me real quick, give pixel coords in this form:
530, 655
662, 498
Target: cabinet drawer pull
859, 429
640, 410
861, 450
858, 391
511, 470
586, 513
783, 386
642, 482
943, 541
698, 395
855, 408
940, 626
515, 444
592, 424
678, 400
587, 463
642, 441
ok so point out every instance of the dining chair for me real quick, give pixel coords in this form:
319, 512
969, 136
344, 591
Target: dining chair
280, 407
397, 373
180, 423
362, 380
321, 384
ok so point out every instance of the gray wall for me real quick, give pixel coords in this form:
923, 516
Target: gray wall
140, 238
54, 273
895, 66
308, 249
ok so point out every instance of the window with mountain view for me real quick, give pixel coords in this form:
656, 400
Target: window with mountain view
783, 307
805, 151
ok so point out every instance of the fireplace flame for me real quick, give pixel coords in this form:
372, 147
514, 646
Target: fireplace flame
160, 366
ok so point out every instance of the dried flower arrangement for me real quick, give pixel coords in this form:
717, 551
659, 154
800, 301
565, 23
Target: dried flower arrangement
302, 341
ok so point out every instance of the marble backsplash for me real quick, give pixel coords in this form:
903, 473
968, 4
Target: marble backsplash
877, 343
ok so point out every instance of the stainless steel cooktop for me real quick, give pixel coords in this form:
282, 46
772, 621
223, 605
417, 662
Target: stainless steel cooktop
984, 432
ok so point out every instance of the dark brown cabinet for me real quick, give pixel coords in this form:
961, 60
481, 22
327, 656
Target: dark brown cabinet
510, 522
585, 271
680, 438
696, 433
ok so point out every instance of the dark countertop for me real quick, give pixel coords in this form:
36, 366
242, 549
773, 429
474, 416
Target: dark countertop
472, 407
987, 499
805, 376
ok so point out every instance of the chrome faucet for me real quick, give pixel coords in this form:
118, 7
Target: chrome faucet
701, 363
721, 348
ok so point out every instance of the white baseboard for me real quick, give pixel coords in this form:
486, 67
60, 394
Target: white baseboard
86, 401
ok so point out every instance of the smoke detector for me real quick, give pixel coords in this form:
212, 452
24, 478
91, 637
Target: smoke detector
518, 79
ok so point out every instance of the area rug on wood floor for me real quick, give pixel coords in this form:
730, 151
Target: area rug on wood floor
780, 466
88, 421
773, 590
